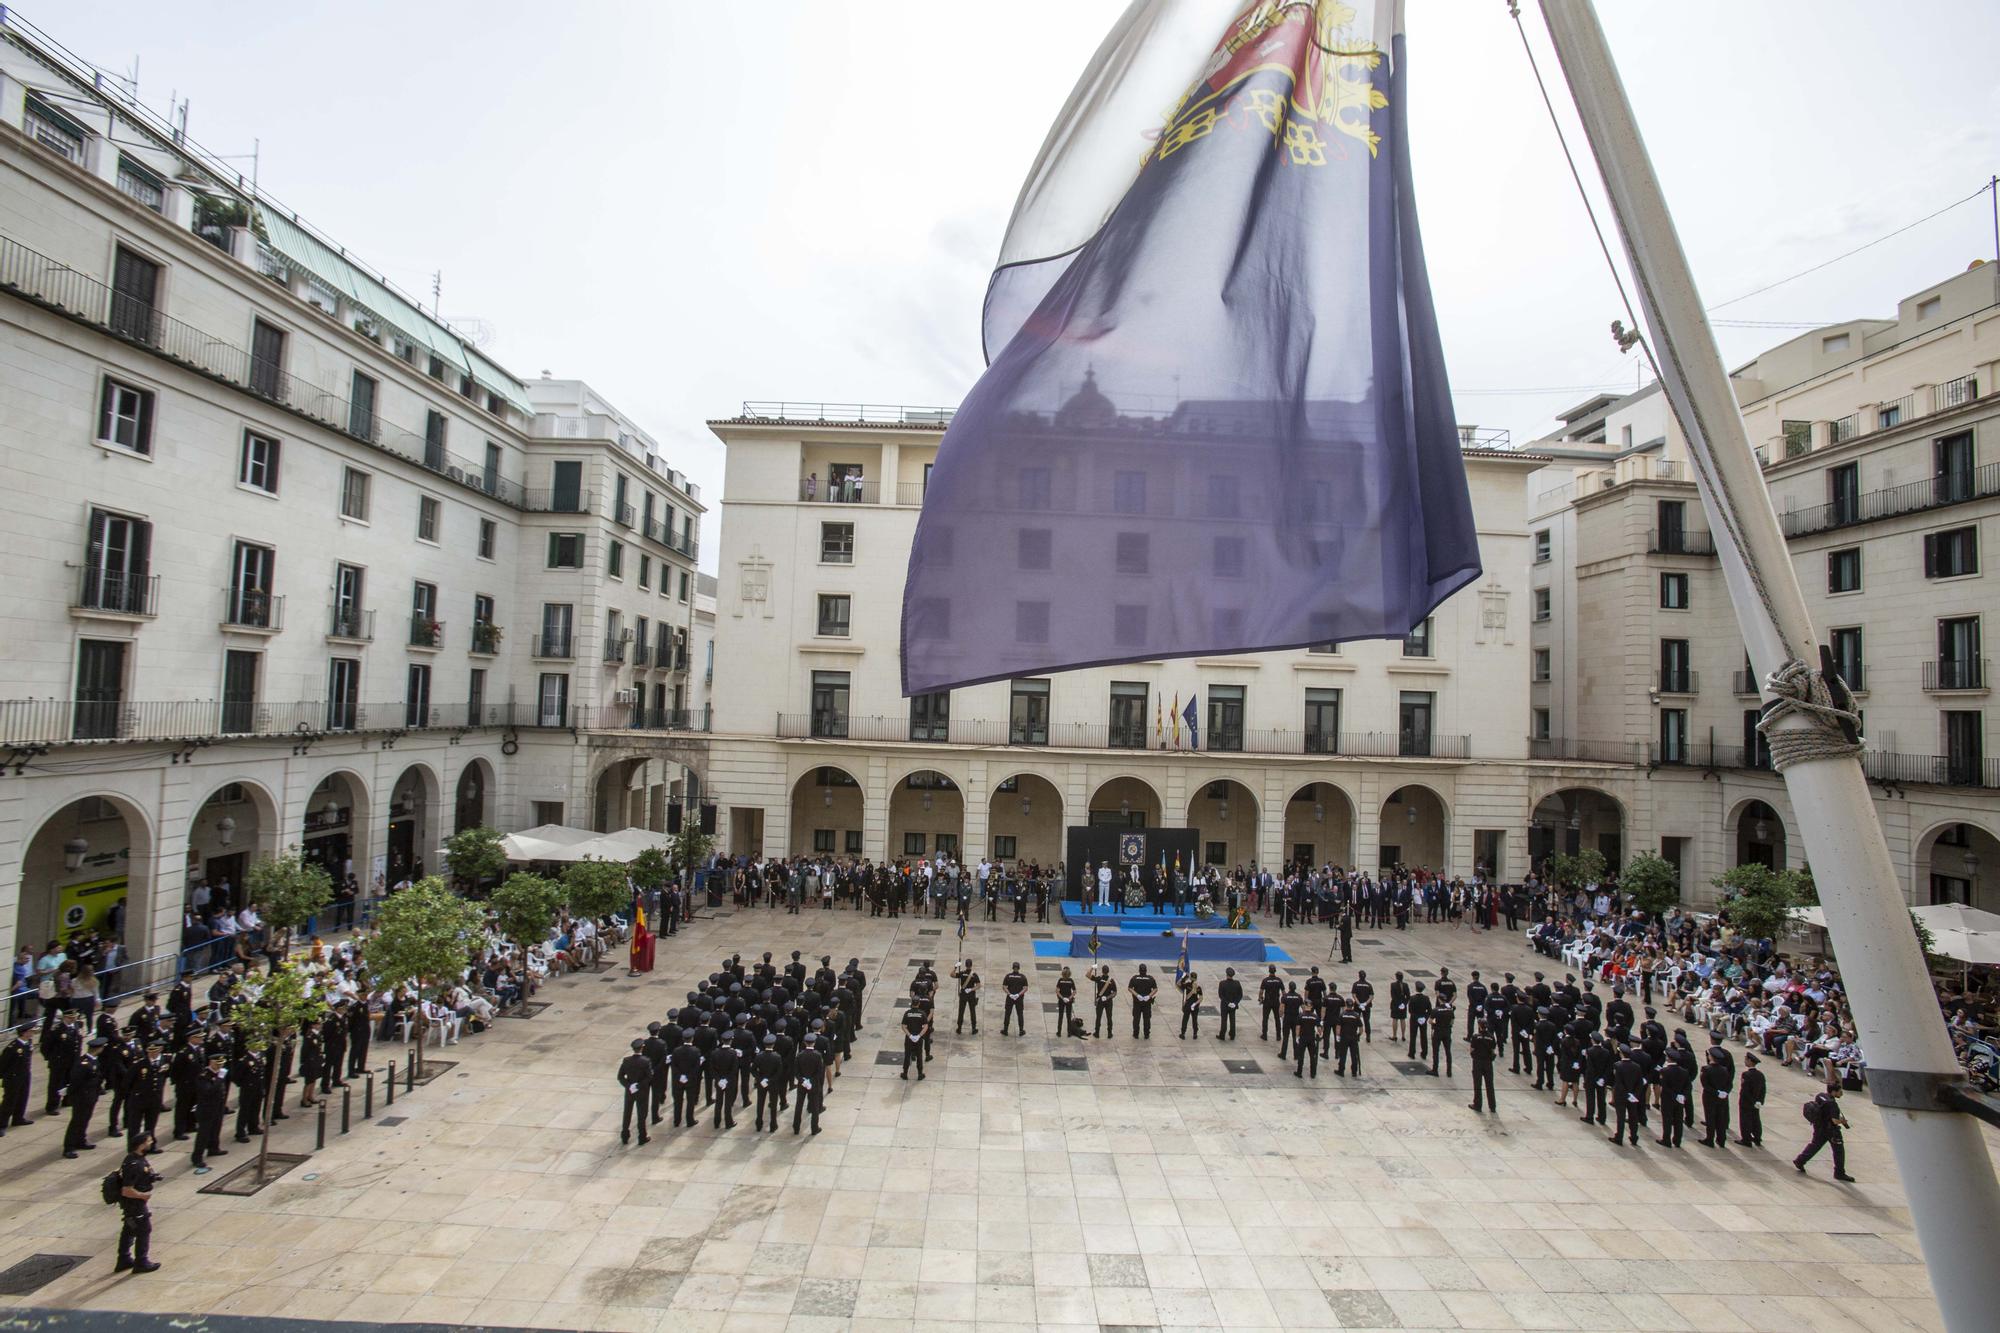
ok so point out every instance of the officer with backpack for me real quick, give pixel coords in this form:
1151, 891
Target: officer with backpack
131, 1188
1823, 1114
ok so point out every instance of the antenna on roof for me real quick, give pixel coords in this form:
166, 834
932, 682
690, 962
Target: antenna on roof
437, 286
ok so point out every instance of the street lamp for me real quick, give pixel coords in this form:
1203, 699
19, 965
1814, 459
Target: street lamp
73, 852
826, 797
1319, 812
1124, 809
225, 828
1027, 806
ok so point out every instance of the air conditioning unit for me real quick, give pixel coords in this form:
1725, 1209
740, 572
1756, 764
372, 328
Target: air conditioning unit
625, 697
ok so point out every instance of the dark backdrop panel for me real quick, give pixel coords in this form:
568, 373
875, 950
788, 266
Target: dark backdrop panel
1097, 843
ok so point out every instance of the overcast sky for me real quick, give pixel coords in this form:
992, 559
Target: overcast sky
690, 205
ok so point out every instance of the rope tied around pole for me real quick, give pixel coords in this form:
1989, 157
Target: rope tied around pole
1834, 725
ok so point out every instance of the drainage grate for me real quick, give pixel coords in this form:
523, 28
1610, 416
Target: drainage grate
1049, 967
888, 1057
36, 1271
1411, 1066
390, 1120
1298, 971
528, 1010
1243, 1066
930, 932
1070, 1064
1419, 972
1040, 935
923, 962
1367, 941
903, 1002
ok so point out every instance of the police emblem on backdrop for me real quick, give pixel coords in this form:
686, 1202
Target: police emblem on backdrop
1132, 848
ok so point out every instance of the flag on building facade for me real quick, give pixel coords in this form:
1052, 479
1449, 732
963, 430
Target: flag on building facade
1175, 718
1159, 730
1194, 741
1215, 417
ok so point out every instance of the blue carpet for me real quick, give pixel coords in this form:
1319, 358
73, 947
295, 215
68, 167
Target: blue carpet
1138, 918
1256, 948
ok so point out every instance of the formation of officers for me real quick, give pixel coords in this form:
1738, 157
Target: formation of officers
1617, 1066
179, 1057
759, 1032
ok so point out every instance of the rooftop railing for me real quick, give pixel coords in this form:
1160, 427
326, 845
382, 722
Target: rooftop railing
1934, 492
55, 285
1103, 736
873, 414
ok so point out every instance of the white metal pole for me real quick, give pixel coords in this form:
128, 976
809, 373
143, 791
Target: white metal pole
1947, 1174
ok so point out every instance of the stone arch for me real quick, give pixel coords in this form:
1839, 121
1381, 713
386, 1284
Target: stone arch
414, 799
1415, 829
1224, 813
1574, 816
1031, 814
472, 795
1129, 790
336, 824
1321, 816
927, 818
109, 889
1758, 832
1956, 860
828, 814
234, 826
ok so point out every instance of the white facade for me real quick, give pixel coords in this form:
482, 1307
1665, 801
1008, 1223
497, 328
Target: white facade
1878, 439
281, 547
1379, 751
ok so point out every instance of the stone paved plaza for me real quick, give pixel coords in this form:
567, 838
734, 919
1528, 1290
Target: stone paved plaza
1155, 1188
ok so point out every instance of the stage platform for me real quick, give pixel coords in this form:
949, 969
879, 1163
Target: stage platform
1086, 915
1204, 947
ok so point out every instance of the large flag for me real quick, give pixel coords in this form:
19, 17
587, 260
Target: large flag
1194, 739
1215, 418
1181, 967
1174, 716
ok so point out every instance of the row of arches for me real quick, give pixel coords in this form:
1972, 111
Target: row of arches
90, 864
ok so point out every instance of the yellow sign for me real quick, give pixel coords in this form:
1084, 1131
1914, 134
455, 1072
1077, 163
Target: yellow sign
87, 906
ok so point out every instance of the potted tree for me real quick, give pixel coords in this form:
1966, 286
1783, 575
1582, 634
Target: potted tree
284, 1003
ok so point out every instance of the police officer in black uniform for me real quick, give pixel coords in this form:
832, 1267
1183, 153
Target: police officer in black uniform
1485, 1050
136, 1179
916, 1032
1190, 1005
1306, 1039
1628, 1096
1228, 998
211, 1103
635, 1077
968, 995
768, 1070
146, 1094
1420, 1006
812, 1085
722, 1069
1347, 1039
1674, 1085
1716, 1076
1104, 1004
86, 1085
684, 1069
1015, 1004
1442, 1018
1750, 1105
1363, 991
1143, 988
17, 1071
1270, 994
1065, 1002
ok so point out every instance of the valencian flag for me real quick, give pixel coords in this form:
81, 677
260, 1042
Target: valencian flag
1215, 417
1181, 967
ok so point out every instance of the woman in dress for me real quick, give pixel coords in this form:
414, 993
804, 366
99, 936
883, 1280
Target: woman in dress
1399, 1006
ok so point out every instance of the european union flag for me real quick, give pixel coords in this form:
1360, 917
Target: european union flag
1215, 418
1194, 737
1095, 943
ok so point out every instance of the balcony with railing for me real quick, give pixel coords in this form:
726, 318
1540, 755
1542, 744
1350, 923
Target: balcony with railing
486, 637
847, 490
1680, 680
615, 645
1677, 541
252, 609
547, 500
624, 515
56, 286
1934, 492
1942, 770
1947, 675
1846, 428
26, 722
351, 623
1101, 736
426, 632
554, 643
868, 414
1746, 682
1955, 393
1587, 751
115, 593
642, 653
911, 492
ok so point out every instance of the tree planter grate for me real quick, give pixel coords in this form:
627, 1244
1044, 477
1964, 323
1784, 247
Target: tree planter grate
35, 1272
243, 1182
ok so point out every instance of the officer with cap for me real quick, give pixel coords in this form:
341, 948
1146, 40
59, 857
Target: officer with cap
1015, 989
635, 1077
656, 1050
811, 1084
86, 1085
17, 1069
722, 1066
211, 1103
684, 1073
768, 1070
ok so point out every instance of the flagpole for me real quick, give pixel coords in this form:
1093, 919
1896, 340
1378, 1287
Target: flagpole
1948, 1177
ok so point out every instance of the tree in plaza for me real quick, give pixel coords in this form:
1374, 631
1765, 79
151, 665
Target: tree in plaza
1653, 883
650, 869
290, 891
526, 906
596, 888
284, 1003
1573, 871
475, 855
1760, 900
424, 938
691, 848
